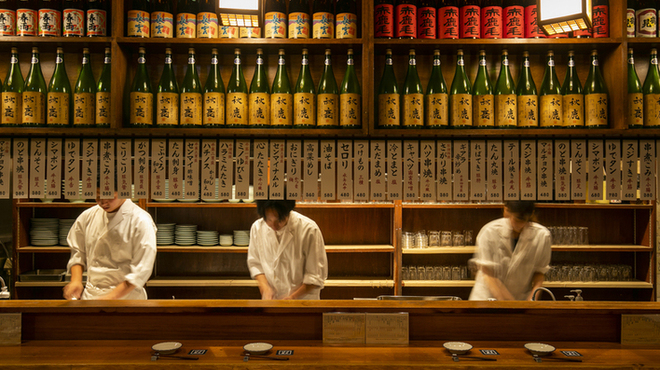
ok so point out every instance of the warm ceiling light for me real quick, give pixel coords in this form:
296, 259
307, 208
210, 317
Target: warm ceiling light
561, 16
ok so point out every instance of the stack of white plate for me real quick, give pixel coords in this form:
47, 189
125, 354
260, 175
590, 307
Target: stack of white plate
44, 231
65, 226
185, 234
165, 234
207, 238
242, 237
226, 240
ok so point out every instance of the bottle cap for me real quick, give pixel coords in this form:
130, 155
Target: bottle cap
436, 52
35, 50
388, 51
141, 50
107, 50
237, 51
260, 51
14, 50
214, 51
411, 52
571, 53
305, 51
85, 50
630, 50
654, 50
482, 53
281, 52
459, 52
349, 52
328, 52
191, 51
168, 50
60, 50
551, 53
526, 53
505, 52
594, 52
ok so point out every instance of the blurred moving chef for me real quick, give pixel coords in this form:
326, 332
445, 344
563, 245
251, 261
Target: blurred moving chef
286, 254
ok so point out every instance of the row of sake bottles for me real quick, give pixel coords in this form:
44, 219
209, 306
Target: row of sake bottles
238, 105
30, 102
643, 100
481, 104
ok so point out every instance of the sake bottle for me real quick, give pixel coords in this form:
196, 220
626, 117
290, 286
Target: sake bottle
460, 95
97, 17
304, 96
412, 96
162, 19
346, 19
275, 19
327, 100
635, 116
237, 95
50, 18
11, 92
84, 94
207, 20
34, 94
350, 96
138, 17
141, 95
186, 19
505, 96
281, 100
167, 95
103, 89
58, 99
528, 100
437, 98
652, 93
572, 98
27, 17
73, 18
595, 95
214, 95
550, 93
259, 99
389, 107
483, 98
299, 19
323, 16
191, 95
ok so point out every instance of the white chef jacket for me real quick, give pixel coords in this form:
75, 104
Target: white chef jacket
516, 268
298, 258
114, 249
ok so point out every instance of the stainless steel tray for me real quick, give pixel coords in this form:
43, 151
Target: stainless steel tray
417, 298
43, 275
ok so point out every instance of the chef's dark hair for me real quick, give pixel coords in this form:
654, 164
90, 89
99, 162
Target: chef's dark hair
281, 207
522, 208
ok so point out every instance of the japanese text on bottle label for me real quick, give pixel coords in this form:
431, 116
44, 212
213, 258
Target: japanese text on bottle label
186, 25
299, 25
33, 108
57, 109
437, 110
350, 112
596, 110
138, 23
103, 108
162, 25
281, 109
346, 26
142, 106
304, 109
237, 109
323, 25
259, 105
214, 109
83, 109
551, 111
207, 25
191, 109
573, 108
388, 110
528, 111
507, 110
461, 110
275, 25
413, 110
167, 108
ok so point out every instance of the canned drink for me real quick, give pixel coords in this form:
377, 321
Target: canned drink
228, 32
250, 32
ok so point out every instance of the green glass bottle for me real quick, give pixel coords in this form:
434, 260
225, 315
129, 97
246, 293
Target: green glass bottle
167, 95
304, 96
635, 112
389, 107
103, 97
214, 95
573, 100
550, 96
141, 95
281, 110
412, 96
595, 96
237, 95
11, 92
259, 99
460, 95
327, 106
437, 97
58, 99
84, 94
483, 99
191, 95
505, 96
528, 100
34, 94
651, 91
350, 96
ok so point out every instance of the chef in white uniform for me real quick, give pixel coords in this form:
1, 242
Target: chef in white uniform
512, 256
115, 241
287, 253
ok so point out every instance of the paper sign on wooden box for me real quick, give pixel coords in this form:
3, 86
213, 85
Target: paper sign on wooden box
10, 329
640, 330
387, 328
343, 328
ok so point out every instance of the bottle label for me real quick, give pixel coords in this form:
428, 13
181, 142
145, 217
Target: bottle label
652, 110
507, 110
426, 23
260, 60
482, 62
646, 22
168, 58
388, 61
259, 104
491, 22
350, 110
26, 22
142, 107
532, 29
437, 110
573, 110
228, 32
11, 108
551, 63
413, 110
630, 22
406, 20
412, 62
237, 109
601, 21
350, 62
327, 110
97, 22
142, 60
207, 25
571, 62
281, 109
389, 110
191, 60
73, 22
346, 26
323, 26
83, 109
162, 25
303, 109
102, 108
384, 21
298, 25
49, 22
107, 60
448, 22
654, 61
138, 24
214, 60
635, 110
436, 62
594, 62
528, 111
484, 110
59, 59
167, 108
551, 111
33, 106
7, 22
514, 22
596, 110
214, 109
275, 25
191, 109
186, 25
461, 110
57, 109
460, 62
470, 22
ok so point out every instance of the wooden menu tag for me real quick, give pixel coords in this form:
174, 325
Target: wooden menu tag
387, 328
10, 329
640, 329
343, 328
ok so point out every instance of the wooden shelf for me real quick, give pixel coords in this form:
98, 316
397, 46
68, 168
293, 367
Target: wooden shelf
238, 249
57, 204
301, 204
206, 282
555, 248
496, 205
438, 283
441, 250
52, 249
547, 284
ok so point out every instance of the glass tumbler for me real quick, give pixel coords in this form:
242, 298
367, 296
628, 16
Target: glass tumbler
446, 272
405, 273
469, 239
412, 272
421, 239
458, 239
455, 273
407, 240
434, 238
421, 273
583, 233
445, 239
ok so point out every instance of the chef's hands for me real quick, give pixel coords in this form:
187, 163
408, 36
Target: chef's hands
267, 293
73, 290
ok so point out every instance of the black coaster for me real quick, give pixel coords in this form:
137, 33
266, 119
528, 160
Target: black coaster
571, 353
197, 352
284, 352
489, 352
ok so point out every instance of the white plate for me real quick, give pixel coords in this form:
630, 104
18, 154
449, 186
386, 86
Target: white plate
458, 348
540, 348
258, 348
165, 348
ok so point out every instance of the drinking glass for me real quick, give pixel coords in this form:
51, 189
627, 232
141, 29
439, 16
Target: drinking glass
429, 272
407, 240
434, 238
464, 273
405, 274
626, 273
445, 239
469, 240
437, 273
588, 273
603, 273
446, 272
421, 239
615, 273
455, 273
458, 239
572, 238
583, 236
412, 271
421, 273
